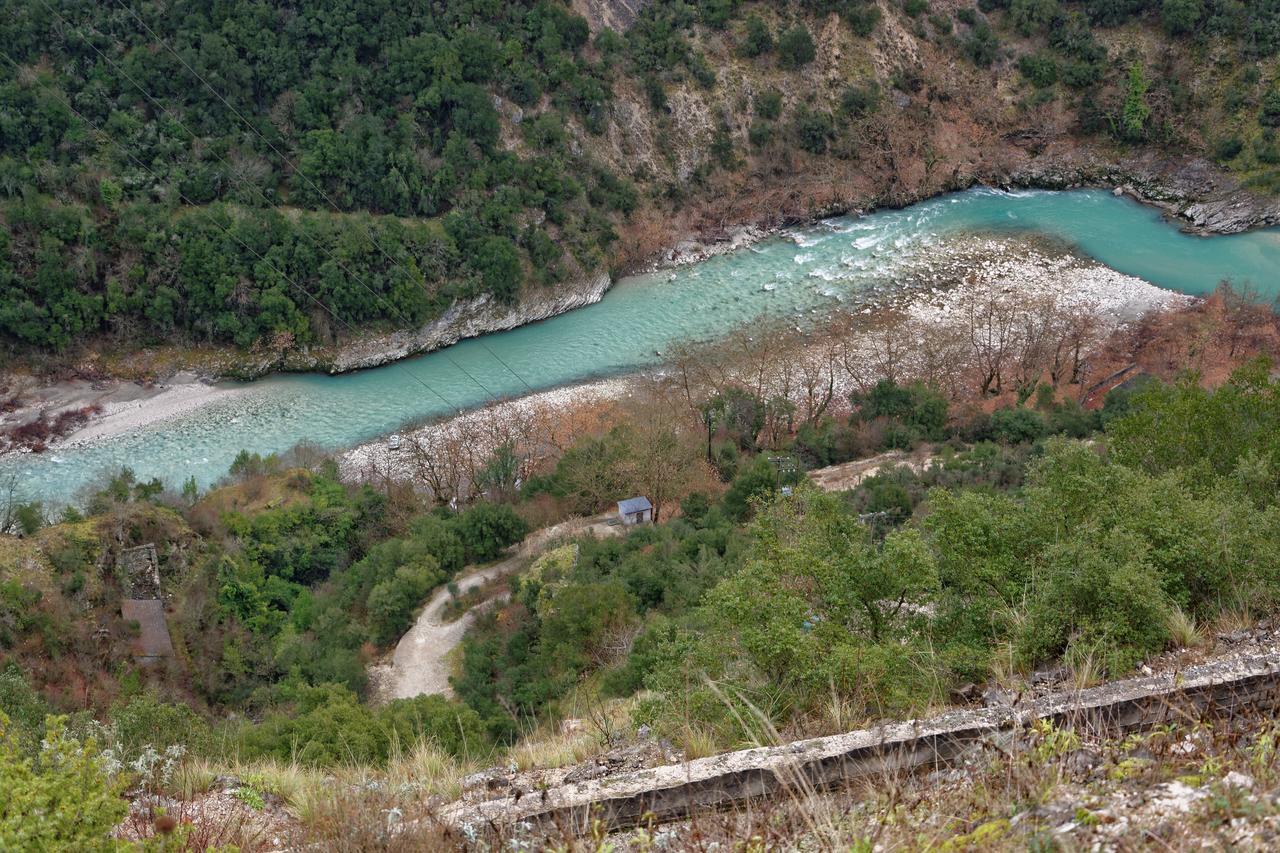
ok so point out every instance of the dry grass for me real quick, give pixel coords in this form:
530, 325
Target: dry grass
1235, 618
1184, 632
1164, 788
409, 783
596, 726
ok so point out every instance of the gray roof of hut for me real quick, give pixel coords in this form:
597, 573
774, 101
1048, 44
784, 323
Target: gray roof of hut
631, 505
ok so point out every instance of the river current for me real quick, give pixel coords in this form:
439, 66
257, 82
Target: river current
806, 272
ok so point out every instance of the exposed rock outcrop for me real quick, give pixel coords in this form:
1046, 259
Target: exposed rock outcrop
1207, 199
611, 14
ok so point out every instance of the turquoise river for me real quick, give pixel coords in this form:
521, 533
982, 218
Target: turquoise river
811, 270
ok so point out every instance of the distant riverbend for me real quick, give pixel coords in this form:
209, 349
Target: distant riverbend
805, 273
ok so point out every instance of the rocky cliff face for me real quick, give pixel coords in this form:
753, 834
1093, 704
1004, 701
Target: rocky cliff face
465, 320
610, 14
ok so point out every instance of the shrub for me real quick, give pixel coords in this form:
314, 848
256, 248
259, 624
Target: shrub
813, 129
981, 45
1032, 16
25, 709
759, 478
913, 412
486, 529
768, 104
1270, 114
1181, 16
795, 48
756, 37
760, 134
438, 538
1039, 68
860, 100
391, 603
329, 727
1017, 426
1228, 148
146, 721
60, 800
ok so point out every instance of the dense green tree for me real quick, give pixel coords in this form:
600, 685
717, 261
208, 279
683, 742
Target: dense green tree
757, 38
795, 48
1136, 110
1181, 16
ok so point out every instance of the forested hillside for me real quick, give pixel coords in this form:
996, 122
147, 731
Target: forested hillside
283, 174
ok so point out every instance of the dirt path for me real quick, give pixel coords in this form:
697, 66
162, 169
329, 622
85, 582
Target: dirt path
847, 475
420, 662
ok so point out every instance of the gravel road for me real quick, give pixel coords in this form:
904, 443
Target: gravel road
420, 662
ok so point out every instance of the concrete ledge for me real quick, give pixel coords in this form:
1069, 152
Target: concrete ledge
152, 643
672, 792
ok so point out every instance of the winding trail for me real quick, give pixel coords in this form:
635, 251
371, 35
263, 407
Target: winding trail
420, 663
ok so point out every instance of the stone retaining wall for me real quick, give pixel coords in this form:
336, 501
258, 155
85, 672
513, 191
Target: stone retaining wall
667, 793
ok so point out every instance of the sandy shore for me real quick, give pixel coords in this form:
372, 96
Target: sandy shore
125, 406
475, 426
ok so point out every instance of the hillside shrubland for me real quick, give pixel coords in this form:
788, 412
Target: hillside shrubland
1037, 535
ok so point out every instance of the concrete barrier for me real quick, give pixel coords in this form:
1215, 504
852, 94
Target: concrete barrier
672, 792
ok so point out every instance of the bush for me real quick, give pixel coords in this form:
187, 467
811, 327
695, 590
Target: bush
1032, 16
860, 100
1270, 114
1039, 68
486, 529
812, 129
438, 538
759, 478
912, 412
1017, 426
61, 800
392, 602
329, 727
760, 134
756, 37
1181, 16
1227, 148
146, 721
768, 104
981, 45
25, 709
795, 48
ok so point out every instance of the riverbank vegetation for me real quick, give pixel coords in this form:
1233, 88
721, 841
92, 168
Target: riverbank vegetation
270, 179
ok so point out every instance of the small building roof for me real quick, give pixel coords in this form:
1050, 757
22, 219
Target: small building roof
631, 505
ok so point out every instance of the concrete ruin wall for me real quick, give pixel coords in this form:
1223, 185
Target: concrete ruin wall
152, 643
142, 604
672, 792
141, 572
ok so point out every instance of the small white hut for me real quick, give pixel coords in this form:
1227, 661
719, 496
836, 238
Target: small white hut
635, 511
